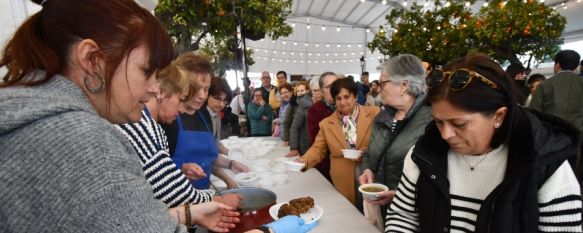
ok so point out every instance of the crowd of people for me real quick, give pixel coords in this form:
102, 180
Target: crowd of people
103, 130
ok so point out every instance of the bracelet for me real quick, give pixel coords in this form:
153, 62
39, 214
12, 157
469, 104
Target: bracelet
231, 164
187, 213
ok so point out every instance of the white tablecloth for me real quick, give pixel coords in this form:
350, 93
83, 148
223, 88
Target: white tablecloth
339, 214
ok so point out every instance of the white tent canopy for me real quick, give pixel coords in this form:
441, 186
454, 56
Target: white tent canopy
335, 40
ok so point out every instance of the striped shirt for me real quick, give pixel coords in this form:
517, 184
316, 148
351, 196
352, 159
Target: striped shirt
168, 182
559, 197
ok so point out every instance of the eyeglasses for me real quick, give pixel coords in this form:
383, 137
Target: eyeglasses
458, 79
382, 83
218, 98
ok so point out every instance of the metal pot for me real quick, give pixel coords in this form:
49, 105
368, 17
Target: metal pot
254, 207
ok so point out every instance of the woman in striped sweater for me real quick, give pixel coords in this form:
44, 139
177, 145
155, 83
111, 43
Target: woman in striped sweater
149, 140
485, 164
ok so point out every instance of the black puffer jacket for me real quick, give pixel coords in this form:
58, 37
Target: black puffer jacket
537, 148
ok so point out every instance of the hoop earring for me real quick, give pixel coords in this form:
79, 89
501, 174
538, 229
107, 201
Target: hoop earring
94, 90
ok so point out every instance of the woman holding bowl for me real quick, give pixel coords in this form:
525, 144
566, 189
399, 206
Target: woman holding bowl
396, 129
348, 127
484, 163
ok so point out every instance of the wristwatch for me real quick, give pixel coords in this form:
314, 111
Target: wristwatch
264, 229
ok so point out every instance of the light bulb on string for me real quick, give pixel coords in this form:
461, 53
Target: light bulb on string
337, 29
309, 54
316, 61
293, 24
284, 42
405, 3
468, 4
308, 27
327, 45
301, 54
292, 53
323, 28
338, 45
360, 46
486, 4
384, 2
317, 44
367, 30
348, 45
295, 43
362, 1
283, 52
447, 4
309, 61
306, 44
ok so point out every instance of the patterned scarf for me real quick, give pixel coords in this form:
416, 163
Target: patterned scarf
349, 127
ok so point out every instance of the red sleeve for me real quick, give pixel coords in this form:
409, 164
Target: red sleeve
313, 126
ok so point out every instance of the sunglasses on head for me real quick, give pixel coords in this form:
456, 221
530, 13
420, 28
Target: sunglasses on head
458, 79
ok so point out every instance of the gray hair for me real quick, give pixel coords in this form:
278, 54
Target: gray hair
406, 67
323, 76
314, 82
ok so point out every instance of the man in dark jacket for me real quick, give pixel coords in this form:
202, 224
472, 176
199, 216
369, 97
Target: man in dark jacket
318, 112
562, 94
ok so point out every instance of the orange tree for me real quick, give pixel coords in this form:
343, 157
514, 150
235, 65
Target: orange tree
212, 24
448, 30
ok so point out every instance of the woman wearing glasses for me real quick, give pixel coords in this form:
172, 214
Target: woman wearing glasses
397, 128
219, 96
484, 164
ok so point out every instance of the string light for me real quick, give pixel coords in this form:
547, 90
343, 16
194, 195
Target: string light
293, 25
367, 30
447, 4
337, 29
308, 27
384, 2
405, 3
486, 4
323, 28
468, 4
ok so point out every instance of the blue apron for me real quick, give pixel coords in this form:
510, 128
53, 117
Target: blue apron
197, 147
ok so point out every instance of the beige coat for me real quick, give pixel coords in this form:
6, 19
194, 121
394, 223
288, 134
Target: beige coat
330, 140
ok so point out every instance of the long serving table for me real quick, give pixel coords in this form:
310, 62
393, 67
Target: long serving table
339, 214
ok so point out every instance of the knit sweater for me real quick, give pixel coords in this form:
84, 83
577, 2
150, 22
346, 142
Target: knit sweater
63, 168
168, 182
469, 188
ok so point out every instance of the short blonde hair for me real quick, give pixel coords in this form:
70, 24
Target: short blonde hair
173, 81
192, 65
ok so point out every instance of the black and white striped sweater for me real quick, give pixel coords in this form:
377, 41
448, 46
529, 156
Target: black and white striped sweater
559, 197
168, 182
